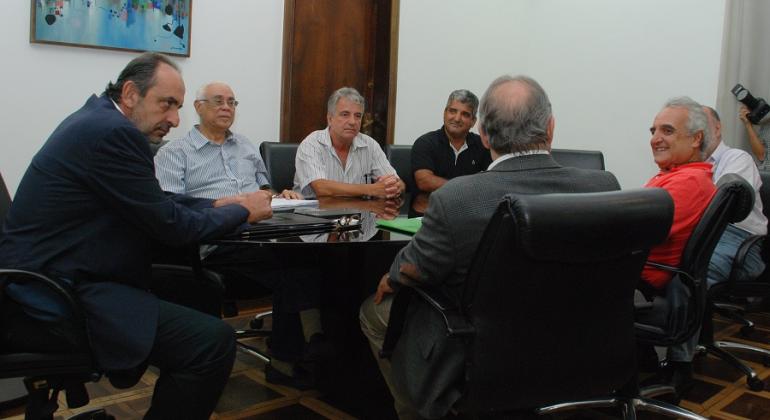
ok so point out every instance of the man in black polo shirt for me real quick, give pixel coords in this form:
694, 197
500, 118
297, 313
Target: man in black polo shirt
452, 150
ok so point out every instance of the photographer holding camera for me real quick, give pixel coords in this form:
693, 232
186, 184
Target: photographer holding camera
752, 111
760, 141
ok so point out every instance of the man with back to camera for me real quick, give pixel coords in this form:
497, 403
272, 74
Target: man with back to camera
88, 212
340, 160
440, 253
678, 148
452, 150
212, 162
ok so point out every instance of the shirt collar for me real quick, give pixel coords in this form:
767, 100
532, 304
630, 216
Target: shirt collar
717, 154
358, 141
516, 154
117, 107
199, 140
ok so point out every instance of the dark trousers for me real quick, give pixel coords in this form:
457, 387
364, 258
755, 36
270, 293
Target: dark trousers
293, 279
195, 354
193, 351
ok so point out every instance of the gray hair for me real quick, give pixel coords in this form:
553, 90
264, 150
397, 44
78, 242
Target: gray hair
344, 92
465, 97
696, 119
515, 124
201, 93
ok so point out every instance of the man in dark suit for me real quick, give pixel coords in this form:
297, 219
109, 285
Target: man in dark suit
517, 125
88, 212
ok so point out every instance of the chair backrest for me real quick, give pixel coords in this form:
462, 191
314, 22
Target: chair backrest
550, 296
5, 201
279, 161
400, 157
585, 159
764, 195
732, 202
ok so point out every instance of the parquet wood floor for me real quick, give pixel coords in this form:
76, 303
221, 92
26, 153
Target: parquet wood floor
720, 392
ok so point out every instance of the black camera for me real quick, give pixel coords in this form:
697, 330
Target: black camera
758, 108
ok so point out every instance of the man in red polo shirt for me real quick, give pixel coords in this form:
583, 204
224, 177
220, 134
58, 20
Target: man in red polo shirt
679, 137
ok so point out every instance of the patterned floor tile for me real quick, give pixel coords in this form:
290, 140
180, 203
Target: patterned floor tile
243, 391
750, 406
720, 392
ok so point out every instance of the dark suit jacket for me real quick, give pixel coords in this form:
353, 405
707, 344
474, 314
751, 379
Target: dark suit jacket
89, 211
424, 362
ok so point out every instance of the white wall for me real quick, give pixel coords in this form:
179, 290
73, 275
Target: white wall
237, 41
608, 65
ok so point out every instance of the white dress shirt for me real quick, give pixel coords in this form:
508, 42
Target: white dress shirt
316, 159
736, 161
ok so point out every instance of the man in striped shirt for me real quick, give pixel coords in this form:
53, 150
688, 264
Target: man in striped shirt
212, 162
341, 161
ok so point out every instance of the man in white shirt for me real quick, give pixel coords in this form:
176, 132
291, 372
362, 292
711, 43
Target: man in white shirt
729, 160
341, 161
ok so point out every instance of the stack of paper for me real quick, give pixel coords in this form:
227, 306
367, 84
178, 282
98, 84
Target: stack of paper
280, 203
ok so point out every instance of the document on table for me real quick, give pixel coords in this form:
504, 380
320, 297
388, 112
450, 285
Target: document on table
280, 203
401, 225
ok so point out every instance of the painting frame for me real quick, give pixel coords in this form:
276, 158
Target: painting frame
163, 26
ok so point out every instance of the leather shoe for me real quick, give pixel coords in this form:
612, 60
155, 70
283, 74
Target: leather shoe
318, 348
647, 358
301, 379
675, 374
681, 377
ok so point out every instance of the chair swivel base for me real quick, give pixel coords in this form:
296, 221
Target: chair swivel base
717, 349
628, 407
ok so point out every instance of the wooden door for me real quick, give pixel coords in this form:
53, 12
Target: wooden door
329, 44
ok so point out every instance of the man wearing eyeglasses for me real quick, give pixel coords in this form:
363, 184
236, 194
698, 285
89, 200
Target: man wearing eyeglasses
213, 162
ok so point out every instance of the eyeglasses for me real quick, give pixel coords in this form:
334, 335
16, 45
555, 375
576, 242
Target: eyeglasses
218, 102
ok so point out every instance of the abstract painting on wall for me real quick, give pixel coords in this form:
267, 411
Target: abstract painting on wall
132, 25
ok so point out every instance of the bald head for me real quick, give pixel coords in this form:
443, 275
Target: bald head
515, 115
713, 135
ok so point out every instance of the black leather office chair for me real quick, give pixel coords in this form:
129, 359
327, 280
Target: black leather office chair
47, 373
547, 313
685, 299
400, 157
586, 159
5, 202
722, 298
279, 160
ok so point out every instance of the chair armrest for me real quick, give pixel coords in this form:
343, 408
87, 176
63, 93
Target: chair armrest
660, 336
740, 256
61, 289
454, 320
685, 276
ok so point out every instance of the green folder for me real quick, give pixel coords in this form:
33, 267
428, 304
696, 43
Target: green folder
401, 225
